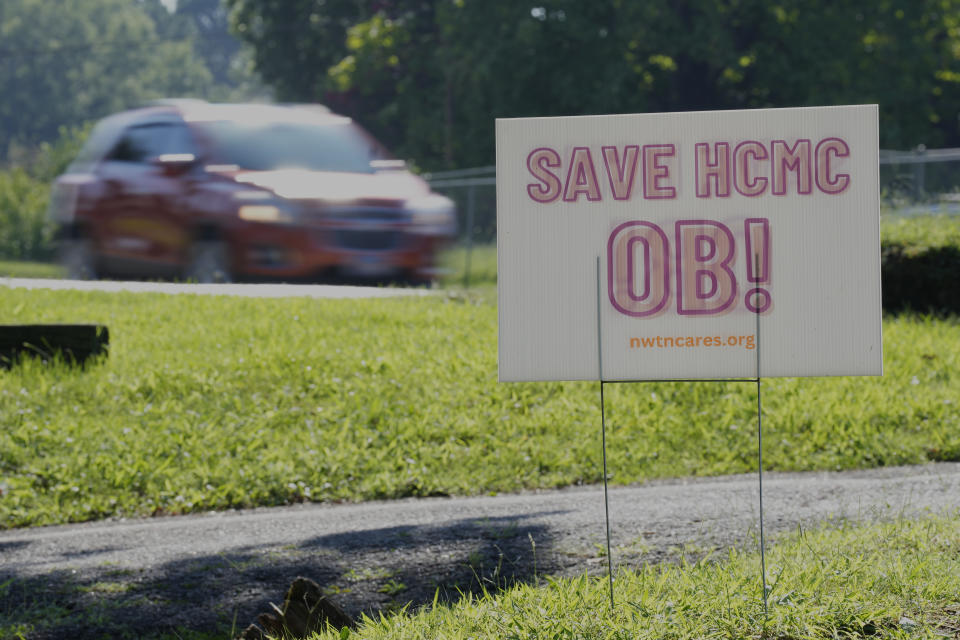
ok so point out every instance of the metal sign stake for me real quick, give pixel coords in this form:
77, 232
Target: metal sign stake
603, 432
763, 559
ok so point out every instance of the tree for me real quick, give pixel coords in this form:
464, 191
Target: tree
65, 63
207, 24
296, 41
430, 76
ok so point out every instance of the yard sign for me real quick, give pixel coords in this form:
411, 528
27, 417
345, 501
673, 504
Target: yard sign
701, 221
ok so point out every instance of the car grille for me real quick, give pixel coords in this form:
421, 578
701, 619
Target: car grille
368, 240
367, 214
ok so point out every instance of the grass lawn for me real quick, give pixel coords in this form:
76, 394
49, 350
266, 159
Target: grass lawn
893, 580
216, 402
481, 261
18, 269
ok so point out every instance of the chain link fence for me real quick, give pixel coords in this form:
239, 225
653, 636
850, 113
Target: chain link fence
475, 192
917, 182
921, 181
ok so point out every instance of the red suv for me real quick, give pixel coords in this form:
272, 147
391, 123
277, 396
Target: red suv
214, 192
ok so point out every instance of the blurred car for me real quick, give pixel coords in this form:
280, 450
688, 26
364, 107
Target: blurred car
216, 192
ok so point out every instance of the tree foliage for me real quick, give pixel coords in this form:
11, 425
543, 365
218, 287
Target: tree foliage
206, 24
65, 63
430, 76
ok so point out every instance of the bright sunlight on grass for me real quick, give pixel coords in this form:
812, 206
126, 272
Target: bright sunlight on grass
216, 402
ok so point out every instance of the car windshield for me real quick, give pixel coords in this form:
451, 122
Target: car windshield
281, 145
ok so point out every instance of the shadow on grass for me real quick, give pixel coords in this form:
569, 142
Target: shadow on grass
371, 571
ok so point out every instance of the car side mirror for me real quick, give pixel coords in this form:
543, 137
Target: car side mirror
174, 164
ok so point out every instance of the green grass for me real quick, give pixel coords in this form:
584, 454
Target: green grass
921, 233
19, 269
216, 402
482, 266
893, 580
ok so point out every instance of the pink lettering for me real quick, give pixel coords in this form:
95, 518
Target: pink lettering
705, 282
548, 188
827, 148
655, 173
757, 235
622, 269
581, 177
717, 171
745, 157
621, 175
796, 160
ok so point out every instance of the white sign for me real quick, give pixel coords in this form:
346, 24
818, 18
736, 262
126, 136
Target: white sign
704, 224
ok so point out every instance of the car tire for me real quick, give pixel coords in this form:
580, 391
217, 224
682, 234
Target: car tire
77, 258
418, 280
209, 263
420, 283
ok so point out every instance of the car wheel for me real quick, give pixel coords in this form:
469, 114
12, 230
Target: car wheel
209, 263
77, 259
415, 278
419, 283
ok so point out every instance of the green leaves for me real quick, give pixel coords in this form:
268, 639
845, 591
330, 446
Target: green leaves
64, 64
429, 77
25, 231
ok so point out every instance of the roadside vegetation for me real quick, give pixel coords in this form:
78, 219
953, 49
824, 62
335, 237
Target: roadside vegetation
218, 402
17, 269
474, 268
920, 258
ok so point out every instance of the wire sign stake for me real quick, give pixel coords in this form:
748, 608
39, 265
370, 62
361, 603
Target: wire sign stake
757, 308
603, 432
763, 559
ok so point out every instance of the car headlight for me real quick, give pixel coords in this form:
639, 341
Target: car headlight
433, 215
259, 206
264, 213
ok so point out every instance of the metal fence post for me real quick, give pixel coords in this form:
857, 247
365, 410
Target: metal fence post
919, 173
471, 205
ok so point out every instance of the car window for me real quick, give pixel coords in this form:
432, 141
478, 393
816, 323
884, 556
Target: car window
98, 143
143, 143
284, 145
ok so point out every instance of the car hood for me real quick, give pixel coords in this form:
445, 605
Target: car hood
336, 187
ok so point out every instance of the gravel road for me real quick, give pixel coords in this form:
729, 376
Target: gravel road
212, 571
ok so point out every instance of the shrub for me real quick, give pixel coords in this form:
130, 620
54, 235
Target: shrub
25, 231
920, 264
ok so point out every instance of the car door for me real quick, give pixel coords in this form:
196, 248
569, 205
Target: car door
143, 232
